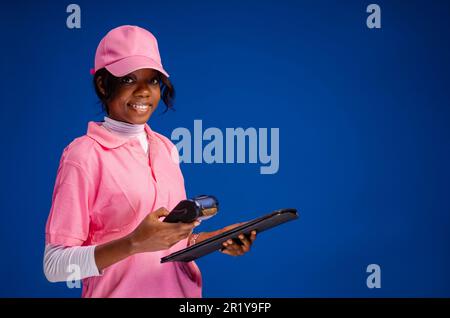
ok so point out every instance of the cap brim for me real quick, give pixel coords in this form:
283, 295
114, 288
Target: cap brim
130, 64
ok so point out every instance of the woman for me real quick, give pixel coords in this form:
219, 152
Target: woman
115, 183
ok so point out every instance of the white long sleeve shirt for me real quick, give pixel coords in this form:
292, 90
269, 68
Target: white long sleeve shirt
59, 260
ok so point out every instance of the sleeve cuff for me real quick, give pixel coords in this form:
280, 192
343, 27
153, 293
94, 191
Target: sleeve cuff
58, 239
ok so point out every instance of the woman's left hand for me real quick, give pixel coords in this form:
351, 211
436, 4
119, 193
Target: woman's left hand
234, 247
238, 246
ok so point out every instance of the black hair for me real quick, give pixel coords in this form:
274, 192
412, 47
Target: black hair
111, 84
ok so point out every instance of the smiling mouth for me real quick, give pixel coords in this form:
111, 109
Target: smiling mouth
140, 108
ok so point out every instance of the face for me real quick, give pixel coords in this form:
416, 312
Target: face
137, 97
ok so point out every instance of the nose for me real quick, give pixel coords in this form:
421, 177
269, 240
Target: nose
142, 90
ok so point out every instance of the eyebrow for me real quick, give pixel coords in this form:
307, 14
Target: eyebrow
147, 77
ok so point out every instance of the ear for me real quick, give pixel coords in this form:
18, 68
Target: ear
99, 83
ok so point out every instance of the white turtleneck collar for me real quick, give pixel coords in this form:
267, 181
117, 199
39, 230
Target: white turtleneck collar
127, 130
123, 128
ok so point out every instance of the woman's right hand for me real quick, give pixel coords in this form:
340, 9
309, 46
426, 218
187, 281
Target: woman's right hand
154, 235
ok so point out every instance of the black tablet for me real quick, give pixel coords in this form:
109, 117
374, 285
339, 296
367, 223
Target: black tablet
215, 243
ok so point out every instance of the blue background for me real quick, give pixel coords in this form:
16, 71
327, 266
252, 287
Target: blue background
364, 135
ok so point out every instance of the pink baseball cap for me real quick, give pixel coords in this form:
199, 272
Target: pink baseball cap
126, 49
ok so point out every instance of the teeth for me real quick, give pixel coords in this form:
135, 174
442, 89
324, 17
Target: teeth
140, 106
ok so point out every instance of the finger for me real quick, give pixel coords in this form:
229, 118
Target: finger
253, 236
182, 237
184, 233
229, 246
174, 227
227, 249
185, 229
233, 246
245, 243
232, 226
189, 226
224, 247
243, 240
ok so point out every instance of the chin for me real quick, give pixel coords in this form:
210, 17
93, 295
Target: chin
139, 122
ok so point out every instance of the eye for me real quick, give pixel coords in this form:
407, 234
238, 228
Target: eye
154, 81
126, 80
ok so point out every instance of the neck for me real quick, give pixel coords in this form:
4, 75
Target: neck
122, 128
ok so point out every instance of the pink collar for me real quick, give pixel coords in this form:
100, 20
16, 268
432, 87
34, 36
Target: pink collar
107, 139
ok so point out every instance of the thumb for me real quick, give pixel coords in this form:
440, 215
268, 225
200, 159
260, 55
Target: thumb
232, 226
160, 212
